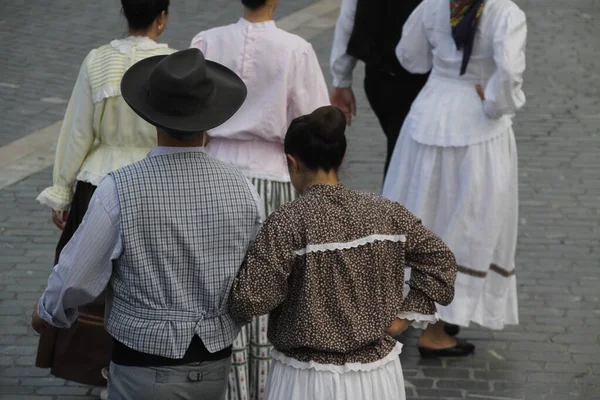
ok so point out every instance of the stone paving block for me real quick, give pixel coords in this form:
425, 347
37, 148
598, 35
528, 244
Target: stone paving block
4, 340
439, 393
508, 389
8, 382
422, 383
62, 390
419, 362
43, 382
511, 376
18, 393
568, 367
551, 377
76, 397
537, 347
430, 398
468, 385
25, 361
575, 339
515, 336
585, 358
446, 373
585, 349
470, 363
410, 373
522, 366
24, 372
20, 397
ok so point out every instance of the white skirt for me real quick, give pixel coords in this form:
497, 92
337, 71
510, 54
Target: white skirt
469, 197
291, 379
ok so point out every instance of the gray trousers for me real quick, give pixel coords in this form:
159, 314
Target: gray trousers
196, 381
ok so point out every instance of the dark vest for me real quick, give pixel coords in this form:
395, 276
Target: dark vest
377, 31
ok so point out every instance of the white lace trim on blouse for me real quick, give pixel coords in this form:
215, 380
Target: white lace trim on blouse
339, 369
312, 248
105, 92
140, 42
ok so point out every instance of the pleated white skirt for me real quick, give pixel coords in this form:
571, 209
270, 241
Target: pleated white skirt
469, 197
291, 379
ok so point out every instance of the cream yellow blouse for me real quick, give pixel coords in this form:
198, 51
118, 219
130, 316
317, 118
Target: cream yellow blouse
100, 132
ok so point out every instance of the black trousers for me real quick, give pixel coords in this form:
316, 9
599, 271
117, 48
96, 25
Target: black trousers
390, 97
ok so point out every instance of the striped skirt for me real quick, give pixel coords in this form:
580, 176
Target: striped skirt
251, 357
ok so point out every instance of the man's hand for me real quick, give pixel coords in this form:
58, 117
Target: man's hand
38, 324
60, 218
480, 92
343, 98
398, 326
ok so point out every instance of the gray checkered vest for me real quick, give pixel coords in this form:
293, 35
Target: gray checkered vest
186, 222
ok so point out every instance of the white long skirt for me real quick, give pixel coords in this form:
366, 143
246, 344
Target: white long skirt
291, 379
469, 197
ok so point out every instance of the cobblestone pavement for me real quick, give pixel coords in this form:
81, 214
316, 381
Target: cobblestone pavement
553, 355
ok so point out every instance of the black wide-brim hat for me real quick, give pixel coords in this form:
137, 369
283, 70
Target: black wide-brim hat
183, 92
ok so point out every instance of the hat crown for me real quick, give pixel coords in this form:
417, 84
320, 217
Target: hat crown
183, 92
179, 84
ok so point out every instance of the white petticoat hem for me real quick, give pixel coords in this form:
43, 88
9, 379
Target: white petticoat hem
90, 177
339, 369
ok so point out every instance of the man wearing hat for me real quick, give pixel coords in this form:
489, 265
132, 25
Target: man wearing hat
167, 236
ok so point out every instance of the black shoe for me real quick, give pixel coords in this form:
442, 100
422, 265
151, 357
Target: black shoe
451, 330
462, 349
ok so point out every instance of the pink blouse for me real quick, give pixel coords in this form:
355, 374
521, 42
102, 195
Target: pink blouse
284, 81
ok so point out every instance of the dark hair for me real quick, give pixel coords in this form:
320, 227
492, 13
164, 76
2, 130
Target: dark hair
182, 136
318, 139
141, 13
254, 4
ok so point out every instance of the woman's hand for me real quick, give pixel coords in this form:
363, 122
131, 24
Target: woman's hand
398, 326
480, 92
38, 324
60, 218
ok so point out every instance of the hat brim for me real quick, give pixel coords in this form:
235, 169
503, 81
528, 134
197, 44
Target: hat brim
230, 93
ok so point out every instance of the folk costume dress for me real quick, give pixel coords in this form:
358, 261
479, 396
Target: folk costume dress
329, 267
284, 81
100, 133
455, 164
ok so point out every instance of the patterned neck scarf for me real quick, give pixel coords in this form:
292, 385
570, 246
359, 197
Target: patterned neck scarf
464, 15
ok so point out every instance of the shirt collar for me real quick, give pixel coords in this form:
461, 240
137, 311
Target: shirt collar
324, 189
140, 42
164, 150
256, 25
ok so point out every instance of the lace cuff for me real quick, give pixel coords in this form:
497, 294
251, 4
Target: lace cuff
56, 197
419, 321
419, 308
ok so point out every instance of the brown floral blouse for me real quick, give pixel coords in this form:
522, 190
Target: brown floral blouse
329, 268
